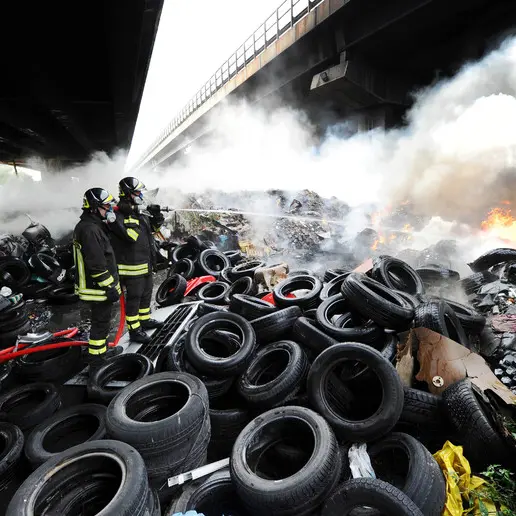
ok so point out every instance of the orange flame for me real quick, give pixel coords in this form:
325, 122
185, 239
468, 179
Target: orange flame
500, 223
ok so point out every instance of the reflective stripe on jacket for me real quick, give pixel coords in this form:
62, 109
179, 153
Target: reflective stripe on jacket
94, 259
133, 241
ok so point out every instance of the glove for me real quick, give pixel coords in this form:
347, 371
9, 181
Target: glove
158, 219
113, 294
154, 209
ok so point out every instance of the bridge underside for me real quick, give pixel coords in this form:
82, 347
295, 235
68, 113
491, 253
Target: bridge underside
72, 76
373, 54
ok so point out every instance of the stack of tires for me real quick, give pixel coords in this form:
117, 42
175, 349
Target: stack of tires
283, 388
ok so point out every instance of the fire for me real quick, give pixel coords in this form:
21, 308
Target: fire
501, 223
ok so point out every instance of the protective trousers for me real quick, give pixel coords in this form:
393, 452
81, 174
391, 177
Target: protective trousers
138, 294
100, 326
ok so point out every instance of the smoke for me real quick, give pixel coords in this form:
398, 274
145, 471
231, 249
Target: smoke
454, 160
56, 200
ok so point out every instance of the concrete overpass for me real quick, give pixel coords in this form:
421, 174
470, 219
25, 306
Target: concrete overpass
357, 60
73, 74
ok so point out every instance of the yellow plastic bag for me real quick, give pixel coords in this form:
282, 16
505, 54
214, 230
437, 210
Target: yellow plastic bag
462, 487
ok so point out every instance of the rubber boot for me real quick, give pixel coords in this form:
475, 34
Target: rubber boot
139, 336
96, 361
151, 324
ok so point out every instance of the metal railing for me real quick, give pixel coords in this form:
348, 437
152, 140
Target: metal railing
283, 19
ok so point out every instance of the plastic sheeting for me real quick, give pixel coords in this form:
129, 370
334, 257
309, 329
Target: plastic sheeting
463, 490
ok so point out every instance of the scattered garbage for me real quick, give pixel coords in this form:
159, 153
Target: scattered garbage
321, 387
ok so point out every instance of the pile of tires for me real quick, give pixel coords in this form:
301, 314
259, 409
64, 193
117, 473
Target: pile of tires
283, 386
14, 321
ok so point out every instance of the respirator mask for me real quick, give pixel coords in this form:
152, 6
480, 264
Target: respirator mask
138, 199
110, 215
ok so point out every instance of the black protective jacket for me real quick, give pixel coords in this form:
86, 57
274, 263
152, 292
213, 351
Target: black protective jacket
94, 259
133, 241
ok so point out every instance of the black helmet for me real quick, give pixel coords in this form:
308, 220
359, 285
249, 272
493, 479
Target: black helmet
130, 185
95, 197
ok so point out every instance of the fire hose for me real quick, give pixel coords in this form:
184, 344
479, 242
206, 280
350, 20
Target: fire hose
27, 349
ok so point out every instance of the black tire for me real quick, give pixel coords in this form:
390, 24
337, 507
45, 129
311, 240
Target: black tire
274, 326
476, 431
389, 410
8, 338
68, 427
306, 301
160, 415
196, 243
313, 340
275, 375
473, 283
225, 276
36, 290
83, 475
493, 257
397, 275
438, 316
184, 267
414, 301
471, 321
54, 365
228, 417
14, 272
376, 302
176, 361
13, 311
332, 288
208, 308
351, 328
372, 493
126, 367
184, 251
214, 292
246, 269
14, 319
249, 307
176, 283
44, 265
244, 286
423, 409
6, 376
234, 256
330, 274
11, 456
64, 295
28, 405
404, 462
213, 495
436, 275
304, 485
221, 366
212, 262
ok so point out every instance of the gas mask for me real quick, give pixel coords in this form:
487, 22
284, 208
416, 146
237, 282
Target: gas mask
138, 199
110, 215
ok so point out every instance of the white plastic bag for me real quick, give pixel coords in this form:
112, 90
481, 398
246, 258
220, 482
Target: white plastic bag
359, 461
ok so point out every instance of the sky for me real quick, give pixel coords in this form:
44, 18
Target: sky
194, 39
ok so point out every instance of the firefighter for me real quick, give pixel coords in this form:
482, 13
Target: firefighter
96, 278
133, 242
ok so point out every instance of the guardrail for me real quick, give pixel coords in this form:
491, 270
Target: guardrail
283, 19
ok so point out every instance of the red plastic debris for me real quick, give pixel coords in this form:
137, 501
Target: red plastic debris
195, 282
270, 299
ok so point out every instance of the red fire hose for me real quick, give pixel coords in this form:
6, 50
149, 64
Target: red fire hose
8, 354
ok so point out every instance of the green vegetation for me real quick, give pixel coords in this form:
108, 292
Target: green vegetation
501, 489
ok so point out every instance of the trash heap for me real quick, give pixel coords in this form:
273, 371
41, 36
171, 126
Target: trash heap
327, 392
33, 267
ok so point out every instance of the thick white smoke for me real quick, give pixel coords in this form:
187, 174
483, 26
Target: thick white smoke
454, 160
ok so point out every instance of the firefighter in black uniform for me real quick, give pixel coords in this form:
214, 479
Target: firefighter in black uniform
133, 242
96, 278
